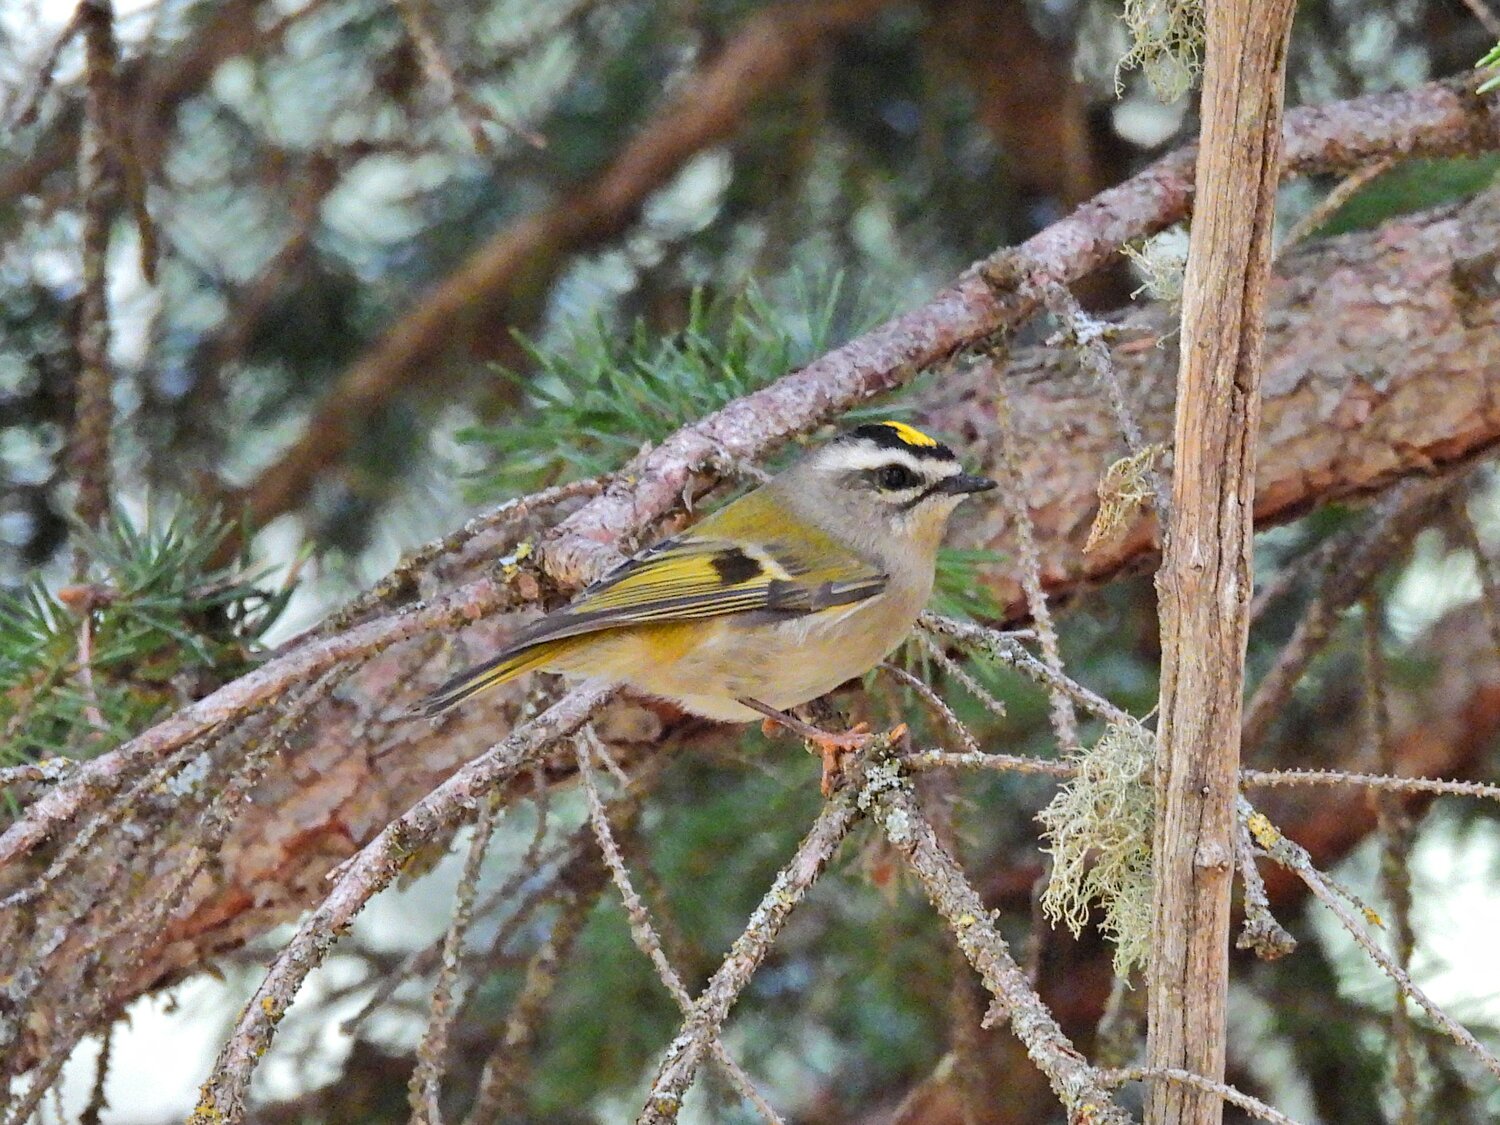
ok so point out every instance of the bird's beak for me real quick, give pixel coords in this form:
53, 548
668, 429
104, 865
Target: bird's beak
964, 483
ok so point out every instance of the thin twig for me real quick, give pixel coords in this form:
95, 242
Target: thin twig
91, 709
471, 111
401, 583
936, 704
1395, 828
98, 1102
892, 805
983, 760
958, 672
506, 1068
1275, 778
1089, 337
1294, 858
643, 932
564, 857
81, 841
1485, 15
551, 19
1349, 572
23, 110
1234, 1097
1261, 931
1005, 648
1015, 491
1286, 579
425, 1085
89, 455
577, 888
375, 865
1325, 209
1484, 565
680, 1064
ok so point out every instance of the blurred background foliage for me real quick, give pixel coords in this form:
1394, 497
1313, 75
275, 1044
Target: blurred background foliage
310, 180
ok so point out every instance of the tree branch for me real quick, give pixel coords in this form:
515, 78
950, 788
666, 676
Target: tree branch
1438, 119
1408, 301
712, 104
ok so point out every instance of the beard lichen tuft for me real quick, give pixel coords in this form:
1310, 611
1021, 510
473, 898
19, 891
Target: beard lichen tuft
1100, 828
1166, 43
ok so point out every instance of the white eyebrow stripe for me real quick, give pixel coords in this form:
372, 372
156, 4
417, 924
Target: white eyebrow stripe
857, 458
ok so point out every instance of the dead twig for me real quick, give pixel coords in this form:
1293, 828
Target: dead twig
680, 1064
1234, 1097
471, 111
89, 453
1015, 490
577, 888
1274, 778
1484, 565
1005, 648
1261, 931
643, 932
1294, 858
1396, 831
424, 1087
1348, 572
1328, 206
376, 864
888, 799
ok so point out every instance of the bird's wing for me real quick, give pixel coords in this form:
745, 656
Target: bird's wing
691, 577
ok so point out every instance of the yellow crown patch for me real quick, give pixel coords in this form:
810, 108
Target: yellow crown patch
911, 435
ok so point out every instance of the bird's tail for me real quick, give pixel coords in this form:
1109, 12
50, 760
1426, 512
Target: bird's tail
493, 672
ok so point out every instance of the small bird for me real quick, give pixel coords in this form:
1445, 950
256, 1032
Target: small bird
774, 600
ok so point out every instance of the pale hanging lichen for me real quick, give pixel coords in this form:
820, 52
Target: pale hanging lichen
1099, 828
1161, 262
1127, 486
1166, 43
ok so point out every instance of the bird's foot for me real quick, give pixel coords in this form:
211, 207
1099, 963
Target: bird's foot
833, 747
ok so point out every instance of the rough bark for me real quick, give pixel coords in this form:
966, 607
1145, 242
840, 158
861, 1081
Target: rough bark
1206, 577
1416, 301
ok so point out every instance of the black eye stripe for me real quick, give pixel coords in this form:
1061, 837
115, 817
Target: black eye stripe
926, 494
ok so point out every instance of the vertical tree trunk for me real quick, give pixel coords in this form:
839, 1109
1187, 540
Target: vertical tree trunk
1205, 578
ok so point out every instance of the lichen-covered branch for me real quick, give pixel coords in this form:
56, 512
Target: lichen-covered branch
223, 1095
685, 1053
1294, 858
890, 802
1407, 301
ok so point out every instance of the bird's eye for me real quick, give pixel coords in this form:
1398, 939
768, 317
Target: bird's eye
895, 477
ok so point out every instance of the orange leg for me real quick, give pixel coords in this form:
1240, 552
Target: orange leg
832, 748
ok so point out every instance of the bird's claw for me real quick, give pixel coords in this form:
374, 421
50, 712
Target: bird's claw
835, 749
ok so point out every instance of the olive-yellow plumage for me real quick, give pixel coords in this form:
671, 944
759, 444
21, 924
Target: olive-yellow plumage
773, 600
